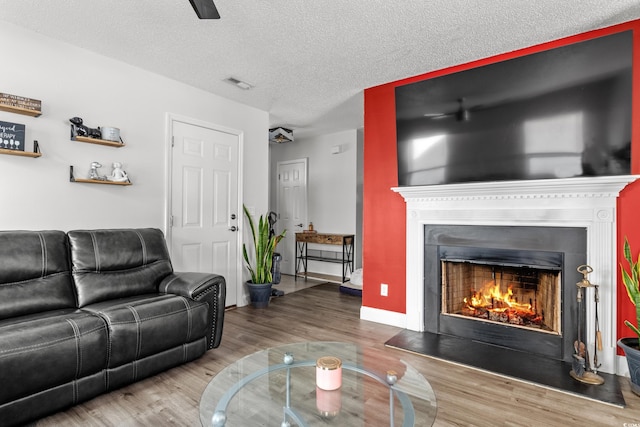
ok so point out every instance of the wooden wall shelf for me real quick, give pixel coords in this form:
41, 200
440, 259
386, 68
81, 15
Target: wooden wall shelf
20, 153
94, 181
97, 141
35, 153
18, 110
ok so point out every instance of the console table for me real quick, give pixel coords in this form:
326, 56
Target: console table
302, 252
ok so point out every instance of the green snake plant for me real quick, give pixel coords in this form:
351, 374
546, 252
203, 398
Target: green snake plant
264, 245
630, 279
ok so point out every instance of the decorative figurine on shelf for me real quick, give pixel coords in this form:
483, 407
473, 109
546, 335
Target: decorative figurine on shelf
79, 129
118, 175
93, 172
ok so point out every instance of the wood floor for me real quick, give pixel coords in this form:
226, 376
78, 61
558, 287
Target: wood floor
466, 397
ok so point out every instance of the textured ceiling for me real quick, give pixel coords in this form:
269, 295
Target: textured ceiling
309, 60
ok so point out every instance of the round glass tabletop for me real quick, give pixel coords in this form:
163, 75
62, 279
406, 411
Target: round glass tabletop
277, 386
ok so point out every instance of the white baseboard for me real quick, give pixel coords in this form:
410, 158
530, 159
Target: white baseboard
377, 315
622, 368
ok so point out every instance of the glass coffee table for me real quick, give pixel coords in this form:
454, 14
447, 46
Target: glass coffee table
277, 387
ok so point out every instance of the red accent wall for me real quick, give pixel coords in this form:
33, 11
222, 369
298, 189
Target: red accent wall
384, 222
383, 234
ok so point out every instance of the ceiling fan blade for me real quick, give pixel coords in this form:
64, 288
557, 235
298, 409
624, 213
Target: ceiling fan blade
461, 113
205, 9
437, 116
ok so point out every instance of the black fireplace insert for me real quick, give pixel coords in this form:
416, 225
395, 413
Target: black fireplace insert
508, 286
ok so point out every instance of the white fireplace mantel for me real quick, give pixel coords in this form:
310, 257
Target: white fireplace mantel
575, 202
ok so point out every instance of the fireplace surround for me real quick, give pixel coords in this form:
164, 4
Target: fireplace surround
535, 265
583, 203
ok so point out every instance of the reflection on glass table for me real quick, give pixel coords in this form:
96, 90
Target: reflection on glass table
277, 387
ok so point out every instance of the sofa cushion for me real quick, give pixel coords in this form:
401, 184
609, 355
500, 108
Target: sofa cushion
45, 350
143, 325
34, 273
118, 263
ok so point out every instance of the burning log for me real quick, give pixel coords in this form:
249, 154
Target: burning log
491, 304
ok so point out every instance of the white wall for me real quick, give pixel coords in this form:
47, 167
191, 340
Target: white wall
331, 186
37, 194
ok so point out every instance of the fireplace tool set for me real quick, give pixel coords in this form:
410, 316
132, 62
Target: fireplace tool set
581, 354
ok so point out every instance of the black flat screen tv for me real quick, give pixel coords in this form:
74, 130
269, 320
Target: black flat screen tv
559, 113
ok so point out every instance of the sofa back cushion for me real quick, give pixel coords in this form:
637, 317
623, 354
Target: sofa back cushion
117, 263
34, 273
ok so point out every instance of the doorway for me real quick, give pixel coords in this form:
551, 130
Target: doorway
204, 201
292, 208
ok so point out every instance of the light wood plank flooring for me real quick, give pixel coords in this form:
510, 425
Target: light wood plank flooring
465, 397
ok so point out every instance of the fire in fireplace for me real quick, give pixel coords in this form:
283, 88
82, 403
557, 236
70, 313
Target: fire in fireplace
520, 296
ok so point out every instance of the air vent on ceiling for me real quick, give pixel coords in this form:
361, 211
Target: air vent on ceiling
239, 83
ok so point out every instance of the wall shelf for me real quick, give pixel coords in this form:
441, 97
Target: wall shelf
19, 110
94, 181
35, 153
19, 153
97, 141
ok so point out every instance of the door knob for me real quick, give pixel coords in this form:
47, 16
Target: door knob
233, 216
299, 225
233, 228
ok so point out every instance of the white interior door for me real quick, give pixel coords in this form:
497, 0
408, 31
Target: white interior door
292, 209
204, 202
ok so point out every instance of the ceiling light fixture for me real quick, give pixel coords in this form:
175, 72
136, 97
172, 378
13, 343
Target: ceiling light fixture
280, 135
239, 83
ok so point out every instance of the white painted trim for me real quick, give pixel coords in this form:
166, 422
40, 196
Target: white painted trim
576, 202
621, 366
377, 315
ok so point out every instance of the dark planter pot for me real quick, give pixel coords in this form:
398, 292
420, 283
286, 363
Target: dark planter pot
259, 294
632, 352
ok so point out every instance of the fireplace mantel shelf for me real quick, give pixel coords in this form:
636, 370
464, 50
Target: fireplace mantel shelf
533, 189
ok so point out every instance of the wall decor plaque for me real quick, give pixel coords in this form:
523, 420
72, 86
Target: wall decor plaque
20, 102
12, 136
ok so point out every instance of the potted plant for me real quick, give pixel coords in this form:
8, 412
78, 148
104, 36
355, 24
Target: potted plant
264, 245
631, 278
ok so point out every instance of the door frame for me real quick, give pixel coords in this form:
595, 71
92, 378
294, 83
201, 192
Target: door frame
304, 160
170, 119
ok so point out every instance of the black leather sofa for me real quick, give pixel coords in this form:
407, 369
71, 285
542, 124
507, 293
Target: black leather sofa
88, 311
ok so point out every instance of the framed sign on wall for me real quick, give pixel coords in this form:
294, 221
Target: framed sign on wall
20, 104
12, 136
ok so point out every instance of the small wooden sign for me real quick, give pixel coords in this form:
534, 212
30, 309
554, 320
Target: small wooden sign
20, 102
12, 136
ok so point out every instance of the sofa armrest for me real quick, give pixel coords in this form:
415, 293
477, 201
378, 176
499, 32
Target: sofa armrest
210, 288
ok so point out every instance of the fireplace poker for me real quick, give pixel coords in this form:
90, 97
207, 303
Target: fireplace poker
580, 350
597, 345
581, 357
